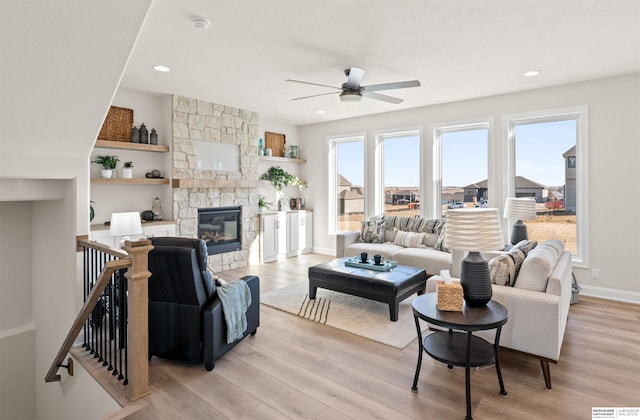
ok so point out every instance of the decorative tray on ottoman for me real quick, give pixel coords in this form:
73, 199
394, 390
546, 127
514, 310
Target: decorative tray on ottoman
370, 265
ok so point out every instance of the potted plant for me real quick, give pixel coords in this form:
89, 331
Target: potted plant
108, 164
280, 178
127, 170
262, 204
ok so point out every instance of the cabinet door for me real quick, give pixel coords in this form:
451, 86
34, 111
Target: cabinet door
292, 241
305, 233
269, 237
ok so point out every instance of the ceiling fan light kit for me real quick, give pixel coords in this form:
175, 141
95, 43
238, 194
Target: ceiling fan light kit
352, 92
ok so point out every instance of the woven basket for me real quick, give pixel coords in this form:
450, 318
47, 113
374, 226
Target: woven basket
450, 296
117, 126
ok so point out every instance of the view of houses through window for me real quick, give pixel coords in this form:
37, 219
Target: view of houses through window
464, 167
401, 174
349, 162
545, 169
543, 150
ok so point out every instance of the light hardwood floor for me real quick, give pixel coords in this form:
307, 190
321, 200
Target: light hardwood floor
293, 369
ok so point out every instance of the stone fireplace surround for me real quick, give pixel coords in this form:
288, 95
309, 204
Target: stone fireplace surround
195, 120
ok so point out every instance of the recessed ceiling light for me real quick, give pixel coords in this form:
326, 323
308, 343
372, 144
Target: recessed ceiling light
200, 23
163, 69
531, 73
321, 112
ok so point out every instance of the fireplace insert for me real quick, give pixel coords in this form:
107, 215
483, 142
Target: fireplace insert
220, 228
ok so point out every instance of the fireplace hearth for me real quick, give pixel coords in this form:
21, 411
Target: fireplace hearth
220, 228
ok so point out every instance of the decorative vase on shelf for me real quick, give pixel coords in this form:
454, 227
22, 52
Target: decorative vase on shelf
106, 173
153, 137
135, 135
127, 173
156, 208
144, 134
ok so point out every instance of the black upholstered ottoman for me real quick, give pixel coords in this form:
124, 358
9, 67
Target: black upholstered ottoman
390, 287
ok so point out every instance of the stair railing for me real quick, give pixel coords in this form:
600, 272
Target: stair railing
135, 311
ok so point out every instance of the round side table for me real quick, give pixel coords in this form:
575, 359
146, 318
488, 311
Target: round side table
457, 346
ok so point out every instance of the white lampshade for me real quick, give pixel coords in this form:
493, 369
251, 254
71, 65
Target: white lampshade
520, 208
474, 229
124, 224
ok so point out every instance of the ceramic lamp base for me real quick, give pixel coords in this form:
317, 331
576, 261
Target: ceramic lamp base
475, 280
518, 232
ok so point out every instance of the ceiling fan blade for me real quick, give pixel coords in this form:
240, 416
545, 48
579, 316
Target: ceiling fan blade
395, 85
380, 97
313, 96
314, 84
355, 77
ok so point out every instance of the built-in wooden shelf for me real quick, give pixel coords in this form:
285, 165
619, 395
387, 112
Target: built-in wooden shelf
131, 146
281, 159
130, 181
216, 183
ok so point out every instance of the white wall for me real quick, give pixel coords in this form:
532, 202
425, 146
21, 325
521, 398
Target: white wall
17, 329
614, 109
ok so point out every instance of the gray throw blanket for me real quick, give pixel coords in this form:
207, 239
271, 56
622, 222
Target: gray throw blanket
235, 297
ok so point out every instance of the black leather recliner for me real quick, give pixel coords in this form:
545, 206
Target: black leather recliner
186, 321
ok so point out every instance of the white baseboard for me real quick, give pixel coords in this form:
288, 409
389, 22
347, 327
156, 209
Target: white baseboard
324, 251
612, 294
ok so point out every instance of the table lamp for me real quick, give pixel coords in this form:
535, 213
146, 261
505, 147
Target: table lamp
519, 209
474, 230
125, 224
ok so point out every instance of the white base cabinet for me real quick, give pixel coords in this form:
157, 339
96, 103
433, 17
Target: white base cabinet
285, 234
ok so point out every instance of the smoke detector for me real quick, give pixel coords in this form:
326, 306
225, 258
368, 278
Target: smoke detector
200, 23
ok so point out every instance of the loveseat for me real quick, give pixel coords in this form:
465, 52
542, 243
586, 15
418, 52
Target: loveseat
537, 295
413, 241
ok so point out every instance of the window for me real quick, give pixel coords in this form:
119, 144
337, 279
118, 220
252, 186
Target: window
346, 184
464, 163
546, 150
401, 173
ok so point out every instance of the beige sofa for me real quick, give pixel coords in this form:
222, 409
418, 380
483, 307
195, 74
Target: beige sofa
537, 318
424, 255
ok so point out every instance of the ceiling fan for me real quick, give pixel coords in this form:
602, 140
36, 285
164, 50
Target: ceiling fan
351, 91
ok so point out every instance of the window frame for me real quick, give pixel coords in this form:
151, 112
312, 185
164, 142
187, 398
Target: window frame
378, 204
332, 171
580, 115
435, 139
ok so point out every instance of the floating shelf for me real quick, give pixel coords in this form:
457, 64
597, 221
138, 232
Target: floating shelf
131, 146
216, 183
281, 159
130, 181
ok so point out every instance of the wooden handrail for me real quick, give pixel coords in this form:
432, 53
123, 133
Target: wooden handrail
118, 253
105, 275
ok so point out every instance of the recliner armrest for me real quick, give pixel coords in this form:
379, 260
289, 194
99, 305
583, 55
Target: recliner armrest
344, 239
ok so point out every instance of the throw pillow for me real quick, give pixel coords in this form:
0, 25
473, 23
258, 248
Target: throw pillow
390, 234
536, 269
439, 245
518, 257
372, 231
409, 239
502, 270
525, 246
556, 244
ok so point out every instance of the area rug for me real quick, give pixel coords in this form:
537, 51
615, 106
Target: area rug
363, 317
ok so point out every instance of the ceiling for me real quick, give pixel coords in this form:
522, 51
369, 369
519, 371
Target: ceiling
457, 49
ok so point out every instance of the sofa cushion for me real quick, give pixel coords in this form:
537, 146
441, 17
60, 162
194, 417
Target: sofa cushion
409, 239
431, 260
556, 244
372, 231
536, 269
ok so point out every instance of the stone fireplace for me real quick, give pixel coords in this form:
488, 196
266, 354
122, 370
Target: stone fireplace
202, 184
